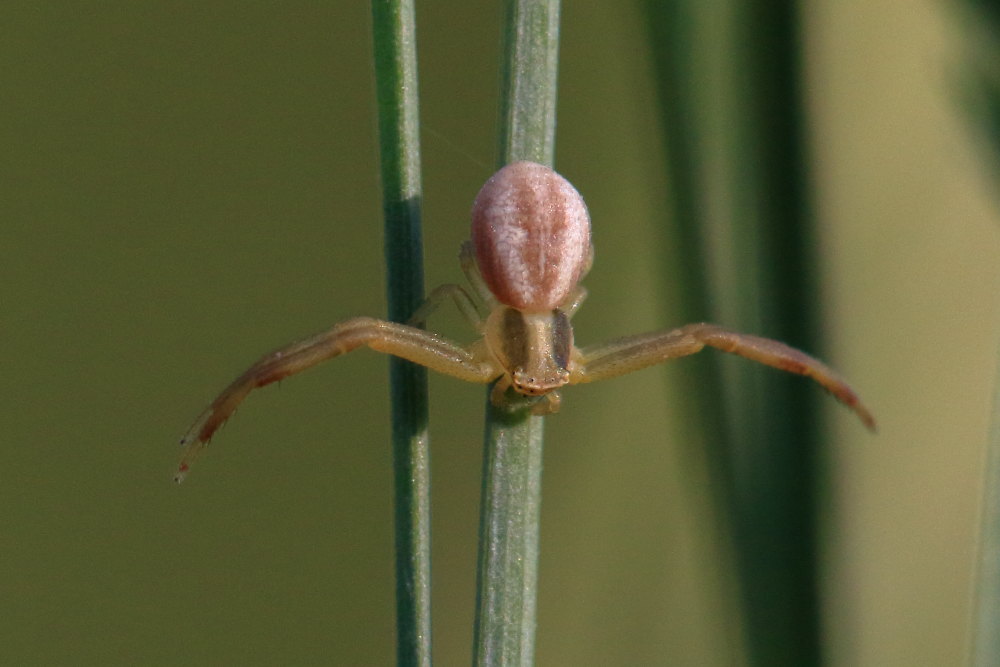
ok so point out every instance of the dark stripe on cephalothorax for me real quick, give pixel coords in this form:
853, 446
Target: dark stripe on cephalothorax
515, 338
562, 339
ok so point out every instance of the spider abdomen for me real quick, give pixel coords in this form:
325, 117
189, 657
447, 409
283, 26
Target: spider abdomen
531, 233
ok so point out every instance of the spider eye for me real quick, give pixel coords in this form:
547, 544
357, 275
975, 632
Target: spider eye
531, 385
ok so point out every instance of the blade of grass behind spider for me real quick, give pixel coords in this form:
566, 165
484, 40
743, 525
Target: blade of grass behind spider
982, 97
394, 30
730, 91
506, 578
986, 588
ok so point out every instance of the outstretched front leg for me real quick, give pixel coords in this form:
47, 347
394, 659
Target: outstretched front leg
471, 364
624, 355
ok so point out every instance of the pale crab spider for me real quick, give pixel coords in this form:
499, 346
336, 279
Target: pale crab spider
530, 247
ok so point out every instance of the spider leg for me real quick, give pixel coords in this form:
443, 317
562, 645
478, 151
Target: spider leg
579, 293
466, 305
624, 355
471, 364
467, 259
503, 397
574, 301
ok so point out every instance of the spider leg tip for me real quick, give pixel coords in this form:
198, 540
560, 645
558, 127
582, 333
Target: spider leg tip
181, 473
870, 422
866, 417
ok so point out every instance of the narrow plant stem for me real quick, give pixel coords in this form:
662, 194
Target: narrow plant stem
986, 638
527, 122
733, 116
507, 576
982, 103
394, 29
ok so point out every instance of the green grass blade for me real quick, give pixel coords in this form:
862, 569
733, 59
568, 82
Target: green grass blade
506, 588
986, 638
730, 83
527, 124
982, 95
396, 83
507, 575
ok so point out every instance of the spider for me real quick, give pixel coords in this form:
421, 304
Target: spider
530, 248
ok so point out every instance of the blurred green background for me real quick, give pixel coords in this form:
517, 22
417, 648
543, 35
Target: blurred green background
185, 186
